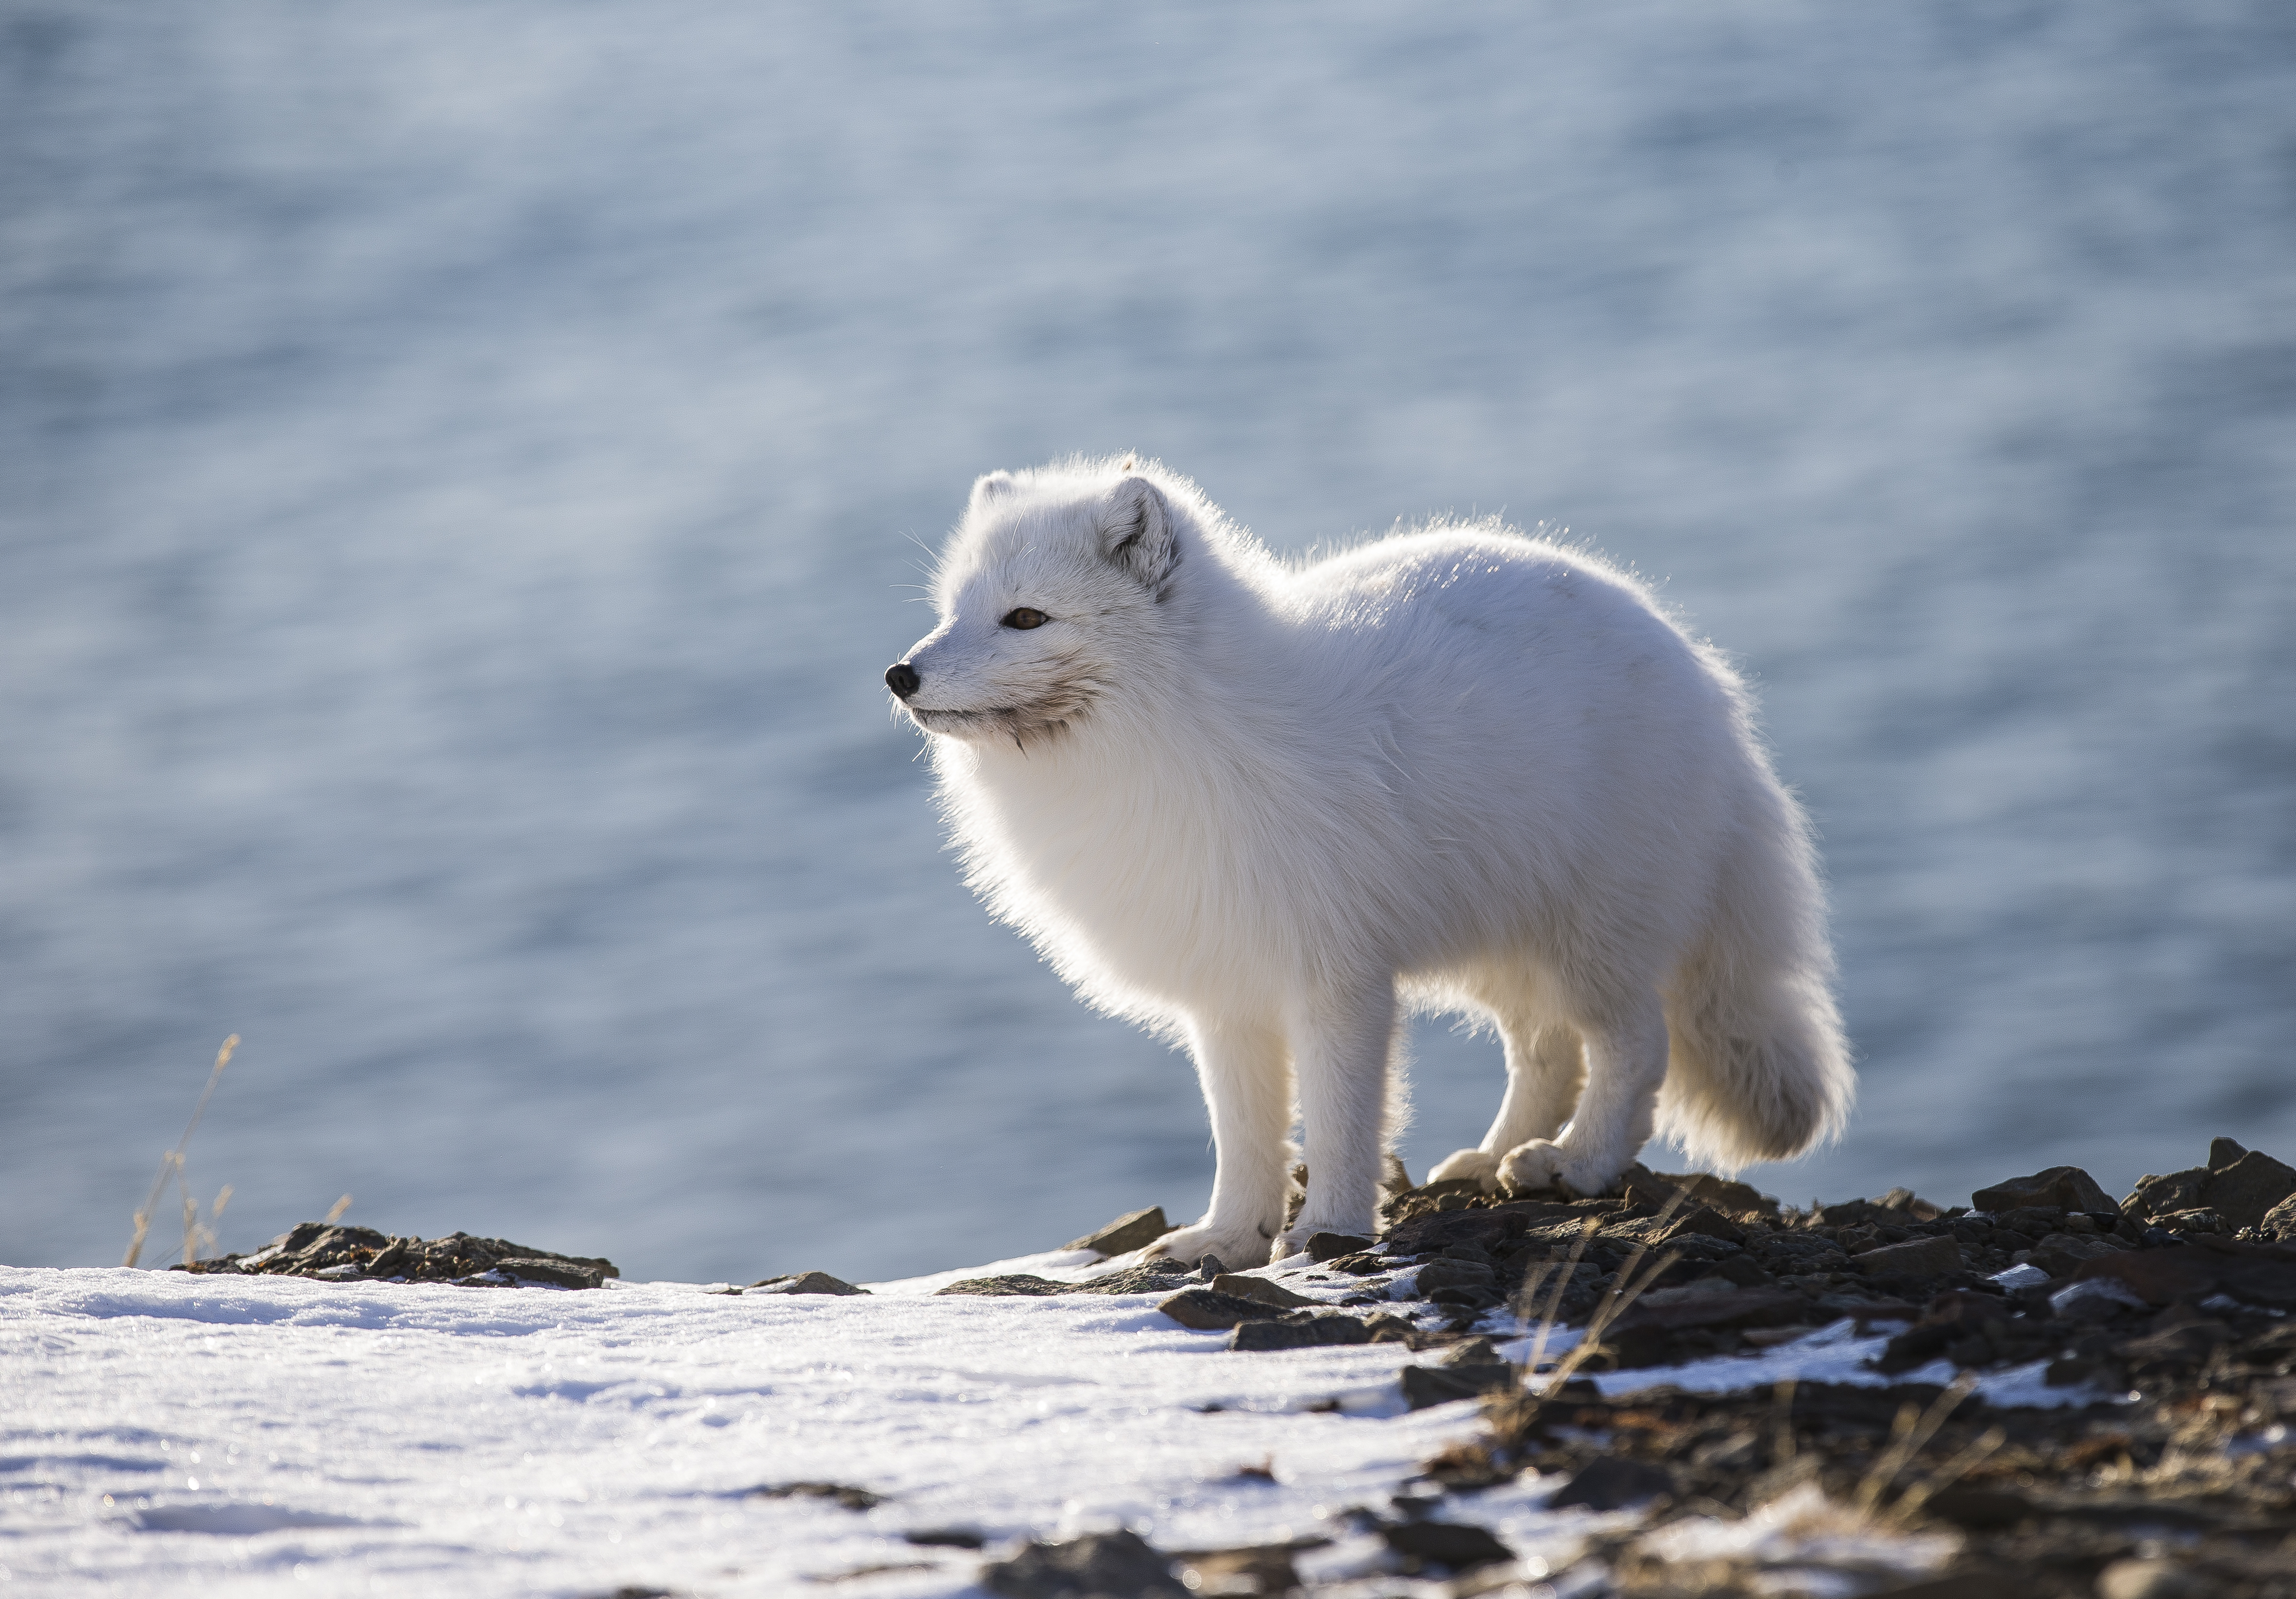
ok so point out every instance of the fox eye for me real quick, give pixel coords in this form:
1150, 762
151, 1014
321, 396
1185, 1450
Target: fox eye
1024, 617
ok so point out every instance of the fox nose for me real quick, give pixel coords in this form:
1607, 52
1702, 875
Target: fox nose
902, 679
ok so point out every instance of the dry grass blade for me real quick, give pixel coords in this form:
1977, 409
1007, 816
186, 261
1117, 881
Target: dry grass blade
1910, 1433
1552, 1309
1910, 1502
171, 1164
1783, 1393
335, 1211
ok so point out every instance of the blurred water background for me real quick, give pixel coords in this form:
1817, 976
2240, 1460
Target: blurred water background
464, 469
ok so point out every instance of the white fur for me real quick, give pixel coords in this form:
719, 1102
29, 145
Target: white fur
1266, 809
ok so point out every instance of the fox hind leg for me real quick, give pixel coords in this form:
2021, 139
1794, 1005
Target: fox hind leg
1546, 1067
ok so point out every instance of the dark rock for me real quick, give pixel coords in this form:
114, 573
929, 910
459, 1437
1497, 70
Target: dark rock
527, 1268
1701, 1221
1699, 1304
943, 1537
1427, 1234
2066, 1187
1362, 1266
2280, 1220
1980, 1509
1207, 1311
1133, 1231
2245, 1192
1015, 1284
1455, 1546
1255, 1569
338, 1254
839, 1494
1331, 1246
1614, 1482
1916, 1257
1441, 1383
1264, 1290
2223, 1153
1118, 1565
2260, 1273
2159, 1196
1155, 1276
806, 1282
1300, 1329
1737, 1201
2062, 1253
1442, 1273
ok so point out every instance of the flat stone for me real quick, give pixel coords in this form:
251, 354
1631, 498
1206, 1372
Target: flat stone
1441, 1384
1456, 1546
1713, 1303
1207, 1310
1454, 1273
805, 1282
2280, 1220
1440, 1229
1132, 1230
1916, 1257
1330, 1246
2061, 1254
1300, 1331
1263, 1289
2067, 1187
1015, 1284
2260, 1273
1119, 1565
1614, 1483
1149, 1277
559, 1273
841, 1494
1703, 1221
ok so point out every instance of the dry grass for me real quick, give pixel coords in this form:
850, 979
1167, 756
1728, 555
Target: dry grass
171, 1166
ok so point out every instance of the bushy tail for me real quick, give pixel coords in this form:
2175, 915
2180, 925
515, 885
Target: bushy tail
1758, 1068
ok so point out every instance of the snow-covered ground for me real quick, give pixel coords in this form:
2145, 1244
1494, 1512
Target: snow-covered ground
161, 1432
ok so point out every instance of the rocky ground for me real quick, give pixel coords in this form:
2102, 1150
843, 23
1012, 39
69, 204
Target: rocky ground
2162, 1321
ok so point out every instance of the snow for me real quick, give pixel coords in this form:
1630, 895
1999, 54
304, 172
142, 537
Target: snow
165, 1433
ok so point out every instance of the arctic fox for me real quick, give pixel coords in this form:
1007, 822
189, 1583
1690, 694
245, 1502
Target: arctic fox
1268, 808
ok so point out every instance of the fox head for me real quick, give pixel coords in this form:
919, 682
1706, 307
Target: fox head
1050, 588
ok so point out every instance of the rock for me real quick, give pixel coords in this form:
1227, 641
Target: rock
2280, 1220
2246, 1191
1453, 1273
338, 1254
1714, 1303
2062, 1253
1456, 1546
1614, 1482
843, 1497
1133, 1231
1266, 1290
1324, 1247
1017, 1282
1118, 1565
1300, 1329
2260, 1273
2223, 1153
1980, 1509
806, 1282
1737, 1201
2066, 1187
2164, 1195
529, 1269
1253, 1569
1701, 1221
1441, 1383
1207, 1310
943, 1537
1440, 1229
1157, 1276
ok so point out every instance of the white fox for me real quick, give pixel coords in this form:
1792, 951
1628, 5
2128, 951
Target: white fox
1267, 808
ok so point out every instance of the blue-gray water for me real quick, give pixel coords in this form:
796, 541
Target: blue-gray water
462, 467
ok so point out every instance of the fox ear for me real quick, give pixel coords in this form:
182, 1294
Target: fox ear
1138, 534
995, 485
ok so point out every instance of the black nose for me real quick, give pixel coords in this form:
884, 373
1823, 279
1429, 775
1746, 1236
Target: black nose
902, 679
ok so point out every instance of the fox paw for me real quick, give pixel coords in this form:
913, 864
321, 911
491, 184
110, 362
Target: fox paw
1541, 1165
1481, 1165
1239, 1248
